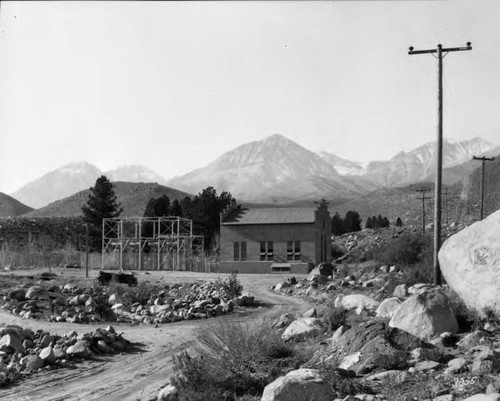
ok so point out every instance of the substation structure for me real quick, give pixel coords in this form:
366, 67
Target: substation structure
151, 243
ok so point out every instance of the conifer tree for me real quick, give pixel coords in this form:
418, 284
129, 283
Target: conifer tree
101, 204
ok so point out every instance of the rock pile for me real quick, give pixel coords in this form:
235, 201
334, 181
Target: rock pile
152, 305
23, 350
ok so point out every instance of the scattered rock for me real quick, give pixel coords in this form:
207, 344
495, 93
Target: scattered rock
426, 315
388, 307
301, 329
359, 302
301, 384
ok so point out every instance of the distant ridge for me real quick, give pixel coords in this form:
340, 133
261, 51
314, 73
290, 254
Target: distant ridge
132, 196
10, 207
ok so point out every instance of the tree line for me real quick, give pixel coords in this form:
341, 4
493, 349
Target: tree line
203, 209
351, 222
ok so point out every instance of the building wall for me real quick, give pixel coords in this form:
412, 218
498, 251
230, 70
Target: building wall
280, 234
263, 267
315, 245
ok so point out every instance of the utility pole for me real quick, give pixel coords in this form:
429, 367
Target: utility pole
446, 193
439, 148
87, 250
483, 161
423, 199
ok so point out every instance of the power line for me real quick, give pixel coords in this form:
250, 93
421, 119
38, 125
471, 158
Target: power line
439, 148
423, 198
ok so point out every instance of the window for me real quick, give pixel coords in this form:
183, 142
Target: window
240, 251
289, 250
296, 253
266, 250
236, 251
263, 251
243, 251
293, 250
270, 251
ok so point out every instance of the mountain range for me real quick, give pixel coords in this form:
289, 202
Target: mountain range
75, 177
278, 170
274, 170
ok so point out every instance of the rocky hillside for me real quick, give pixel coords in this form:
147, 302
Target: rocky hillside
132, 196
10, 207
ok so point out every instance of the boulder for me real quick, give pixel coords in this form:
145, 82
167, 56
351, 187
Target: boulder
419, 288
359, 302
388, 307
469, 263
401, 291
18, 294
167, 393
11, 343
302, 328
284, 320
78, 350
47, 355
37, 292
425, 315
310, 313
32, 362
373, 345
484, 397
301, 384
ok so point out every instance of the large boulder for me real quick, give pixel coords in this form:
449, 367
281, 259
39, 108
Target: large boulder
37, 292
301, 384
388, 307
359, 302
373, 345
302, 328
426, 315
469, 262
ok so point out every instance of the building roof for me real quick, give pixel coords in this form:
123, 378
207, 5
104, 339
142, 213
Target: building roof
282, 215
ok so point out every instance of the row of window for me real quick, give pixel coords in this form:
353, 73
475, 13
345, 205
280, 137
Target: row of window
267, 250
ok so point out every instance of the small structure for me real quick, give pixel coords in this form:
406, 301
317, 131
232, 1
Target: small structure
151, 243
267, 240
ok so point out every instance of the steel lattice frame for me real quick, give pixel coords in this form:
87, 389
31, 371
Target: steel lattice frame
159, 243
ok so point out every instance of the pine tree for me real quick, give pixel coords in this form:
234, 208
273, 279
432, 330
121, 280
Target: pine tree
176, 209
352, 221
386, 222
158, 207
399, 222
101, 204
369, 223
337, 225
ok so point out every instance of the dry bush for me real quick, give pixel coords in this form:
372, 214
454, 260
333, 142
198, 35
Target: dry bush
334, 317
234, 359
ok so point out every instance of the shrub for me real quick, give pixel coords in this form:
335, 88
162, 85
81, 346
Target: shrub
343, 386
334, 317
408, 249
233, 359
417, 273
232, 285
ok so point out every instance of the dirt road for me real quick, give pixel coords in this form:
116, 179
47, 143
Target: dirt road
139, 375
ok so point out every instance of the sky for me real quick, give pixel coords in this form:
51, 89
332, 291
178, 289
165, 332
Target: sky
174, 85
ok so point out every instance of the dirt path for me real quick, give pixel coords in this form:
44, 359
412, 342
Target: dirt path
139, 375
